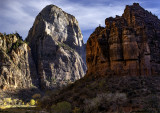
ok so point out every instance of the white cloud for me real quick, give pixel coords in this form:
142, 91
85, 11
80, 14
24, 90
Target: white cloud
38, 6
91, 16
19, 15
16, 15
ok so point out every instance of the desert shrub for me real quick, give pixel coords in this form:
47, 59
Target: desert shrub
18, 36
76, 110
17, 44
4, 103
27, 104
26, 42
8, 100
151, 104
36, 96
1, 102
43, 102
61, 107
15, 101
4, 33
104, 101
92, 105
32, 102
20, 102
101, 83
1, 35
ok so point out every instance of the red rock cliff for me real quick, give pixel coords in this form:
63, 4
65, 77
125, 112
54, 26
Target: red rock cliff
128, 45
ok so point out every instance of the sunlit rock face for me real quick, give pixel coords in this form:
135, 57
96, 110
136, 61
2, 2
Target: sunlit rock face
57, 46
127, 45
17, 68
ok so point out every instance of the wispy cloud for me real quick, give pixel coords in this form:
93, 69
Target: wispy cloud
19, 15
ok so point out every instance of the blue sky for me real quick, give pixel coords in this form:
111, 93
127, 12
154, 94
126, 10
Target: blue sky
19, 15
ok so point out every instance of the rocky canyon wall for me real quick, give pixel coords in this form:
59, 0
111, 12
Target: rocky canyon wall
57, 46
17, 68
127, 45
52, 55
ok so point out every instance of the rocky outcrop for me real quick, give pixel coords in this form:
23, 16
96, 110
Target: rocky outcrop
17, 69
127, 45
57, 47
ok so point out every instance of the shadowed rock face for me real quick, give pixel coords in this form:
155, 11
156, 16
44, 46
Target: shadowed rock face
128, 45
17, 68
57, 46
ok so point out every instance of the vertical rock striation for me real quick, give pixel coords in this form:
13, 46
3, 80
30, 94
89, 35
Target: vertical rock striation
128, 45
17, 69
57, 46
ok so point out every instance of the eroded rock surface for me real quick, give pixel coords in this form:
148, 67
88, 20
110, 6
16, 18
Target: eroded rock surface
17, 69
127, 45
57, 47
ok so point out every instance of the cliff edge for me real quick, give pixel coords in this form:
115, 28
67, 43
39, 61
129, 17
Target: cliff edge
127, 45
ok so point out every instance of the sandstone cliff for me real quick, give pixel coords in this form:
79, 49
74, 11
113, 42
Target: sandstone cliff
57, 47
17, 69
127, 45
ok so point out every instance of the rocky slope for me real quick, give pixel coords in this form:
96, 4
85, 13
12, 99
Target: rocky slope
127, 45
114, 94
57, 47
17, 69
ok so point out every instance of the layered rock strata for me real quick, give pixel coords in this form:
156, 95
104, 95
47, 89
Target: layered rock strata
127, 45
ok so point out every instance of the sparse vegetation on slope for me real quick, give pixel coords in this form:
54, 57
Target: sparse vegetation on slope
109, 95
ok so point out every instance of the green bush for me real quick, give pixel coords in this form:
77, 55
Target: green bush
76, 110
36, 96
4, 33
32, 102
15, 101
8, 100
26, 42
103, 100
61, 107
